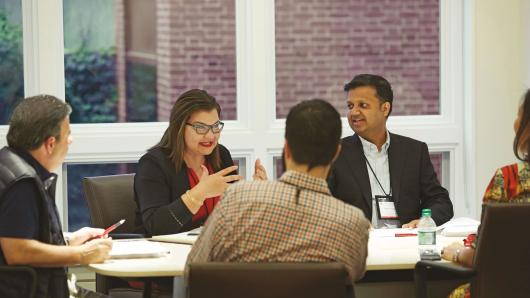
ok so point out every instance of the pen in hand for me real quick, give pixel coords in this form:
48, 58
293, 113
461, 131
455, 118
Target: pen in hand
108, 230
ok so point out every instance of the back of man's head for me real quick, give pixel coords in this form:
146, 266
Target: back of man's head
34, 120
313, 129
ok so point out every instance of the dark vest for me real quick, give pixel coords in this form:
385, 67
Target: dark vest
51, 281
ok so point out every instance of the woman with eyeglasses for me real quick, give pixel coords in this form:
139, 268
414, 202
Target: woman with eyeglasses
179, 180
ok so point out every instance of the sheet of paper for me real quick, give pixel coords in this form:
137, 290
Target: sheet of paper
188, 237
137, 248
459, 227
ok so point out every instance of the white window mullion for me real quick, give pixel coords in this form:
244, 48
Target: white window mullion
243, 58
43, 49
256, 85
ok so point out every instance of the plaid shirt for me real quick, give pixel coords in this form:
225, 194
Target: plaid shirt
265, 221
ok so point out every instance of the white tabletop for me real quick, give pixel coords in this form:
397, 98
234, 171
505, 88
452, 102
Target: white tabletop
384, 253
170, 265
392, 253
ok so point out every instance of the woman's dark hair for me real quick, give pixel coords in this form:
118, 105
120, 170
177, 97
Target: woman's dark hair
521, 143
313, 129
172, 142
34, 120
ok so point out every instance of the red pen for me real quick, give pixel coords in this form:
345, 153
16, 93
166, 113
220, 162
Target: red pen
405, 234
108, 230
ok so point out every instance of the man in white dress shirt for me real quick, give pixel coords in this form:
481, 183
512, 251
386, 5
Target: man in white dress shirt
388, 176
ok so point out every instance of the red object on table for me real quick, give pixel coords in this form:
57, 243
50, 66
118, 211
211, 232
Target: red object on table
469, 240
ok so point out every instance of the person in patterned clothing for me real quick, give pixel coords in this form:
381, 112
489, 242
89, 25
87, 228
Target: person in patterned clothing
294, 219
510, 184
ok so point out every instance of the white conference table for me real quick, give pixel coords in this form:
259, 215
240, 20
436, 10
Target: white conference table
170, 265
395, 253
384, 253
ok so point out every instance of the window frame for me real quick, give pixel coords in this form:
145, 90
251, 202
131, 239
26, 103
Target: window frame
259, 134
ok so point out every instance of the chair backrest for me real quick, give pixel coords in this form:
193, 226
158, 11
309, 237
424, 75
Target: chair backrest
502, 257
258, 280
18, 281
110, 199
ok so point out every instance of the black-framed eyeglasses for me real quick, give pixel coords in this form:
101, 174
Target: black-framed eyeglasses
203, 129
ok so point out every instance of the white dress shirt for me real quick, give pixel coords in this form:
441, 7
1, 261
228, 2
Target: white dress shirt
379, 162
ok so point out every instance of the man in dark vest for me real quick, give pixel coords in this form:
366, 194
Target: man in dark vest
30, 229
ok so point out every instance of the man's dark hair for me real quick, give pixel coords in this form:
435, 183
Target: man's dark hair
313, 129
382, 87
34, 120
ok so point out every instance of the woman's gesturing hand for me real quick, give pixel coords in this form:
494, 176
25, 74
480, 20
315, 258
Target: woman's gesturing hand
214, 184
260, 173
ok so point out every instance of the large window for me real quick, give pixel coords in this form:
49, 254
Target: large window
128, 60
321, 45
11, 64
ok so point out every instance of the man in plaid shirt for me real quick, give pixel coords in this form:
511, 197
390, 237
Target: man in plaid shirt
294, 219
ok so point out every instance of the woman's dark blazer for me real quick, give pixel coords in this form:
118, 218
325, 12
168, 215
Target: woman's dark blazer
158, 188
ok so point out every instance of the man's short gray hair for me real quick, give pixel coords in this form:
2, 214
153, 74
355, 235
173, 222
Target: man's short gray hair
34, 120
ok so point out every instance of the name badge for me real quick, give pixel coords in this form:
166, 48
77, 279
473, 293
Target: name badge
386, 209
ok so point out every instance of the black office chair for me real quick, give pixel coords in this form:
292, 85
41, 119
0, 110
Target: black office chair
501, 266
22, 282
260, 280
110, 199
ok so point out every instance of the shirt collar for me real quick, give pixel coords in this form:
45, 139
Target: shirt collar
369, 147
305, 181
42, 172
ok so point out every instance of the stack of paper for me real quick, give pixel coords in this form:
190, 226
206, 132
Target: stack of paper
184, 238
459, 227
137, 248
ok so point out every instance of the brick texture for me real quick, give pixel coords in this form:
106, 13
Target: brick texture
322, 44
196, 48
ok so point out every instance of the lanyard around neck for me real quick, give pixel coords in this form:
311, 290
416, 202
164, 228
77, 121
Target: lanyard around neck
377, 179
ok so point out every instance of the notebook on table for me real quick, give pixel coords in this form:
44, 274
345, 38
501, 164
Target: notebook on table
137, 248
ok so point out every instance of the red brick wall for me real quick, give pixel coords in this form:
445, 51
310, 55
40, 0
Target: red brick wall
196, 48
322, 44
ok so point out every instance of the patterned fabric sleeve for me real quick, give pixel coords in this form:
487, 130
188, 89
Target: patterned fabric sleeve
510, 183
208, 241
462, 291
496, 191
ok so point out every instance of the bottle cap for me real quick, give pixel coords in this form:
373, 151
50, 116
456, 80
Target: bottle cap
426, 212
